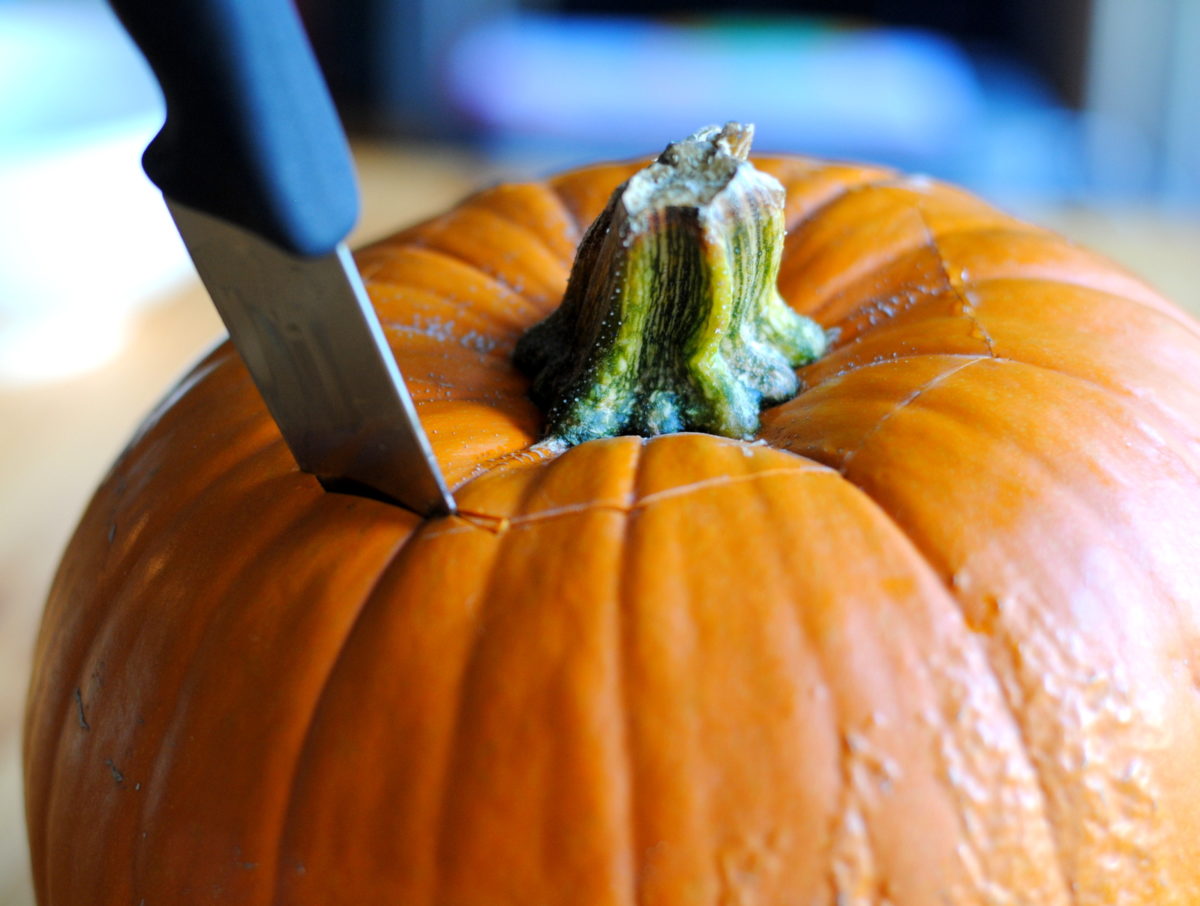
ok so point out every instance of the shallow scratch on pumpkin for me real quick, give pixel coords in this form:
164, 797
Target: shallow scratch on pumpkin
497, 524
79, 702
928, 385
116, 773
720, 481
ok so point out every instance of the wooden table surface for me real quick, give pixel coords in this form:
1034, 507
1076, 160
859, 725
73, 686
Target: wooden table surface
59, 437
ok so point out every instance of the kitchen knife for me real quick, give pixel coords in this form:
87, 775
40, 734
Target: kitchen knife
257, 173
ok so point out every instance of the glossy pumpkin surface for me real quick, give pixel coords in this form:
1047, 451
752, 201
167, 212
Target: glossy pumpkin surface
933, 638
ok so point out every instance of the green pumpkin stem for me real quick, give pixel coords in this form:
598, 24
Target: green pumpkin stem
671, 320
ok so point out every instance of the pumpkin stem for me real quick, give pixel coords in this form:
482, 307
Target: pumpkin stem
671, 320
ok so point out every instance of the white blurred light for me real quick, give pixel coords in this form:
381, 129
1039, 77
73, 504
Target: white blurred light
60, 345
85, 239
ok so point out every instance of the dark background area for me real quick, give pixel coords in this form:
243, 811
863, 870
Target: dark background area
1058, 99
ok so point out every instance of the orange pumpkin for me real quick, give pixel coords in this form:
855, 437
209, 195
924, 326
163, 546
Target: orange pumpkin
935, 638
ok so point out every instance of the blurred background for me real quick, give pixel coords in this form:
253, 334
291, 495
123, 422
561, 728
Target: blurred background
1076, 113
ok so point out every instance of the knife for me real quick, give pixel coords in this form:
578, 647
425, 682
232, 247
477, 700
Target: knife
257, 174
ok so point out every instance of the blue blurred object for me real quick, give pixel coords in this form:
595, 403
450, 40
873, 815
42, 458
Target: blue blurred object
566, 89
894, 94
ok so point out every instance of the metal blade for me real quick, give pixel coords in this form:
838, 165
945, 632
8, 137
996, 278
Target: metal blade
312, 342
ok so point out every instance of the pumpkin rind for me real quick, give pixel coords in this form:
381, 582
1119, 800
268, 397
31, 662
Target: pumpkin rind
934, 641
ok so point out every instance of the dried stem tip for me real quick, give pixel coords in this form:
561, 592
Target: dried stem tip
671, 320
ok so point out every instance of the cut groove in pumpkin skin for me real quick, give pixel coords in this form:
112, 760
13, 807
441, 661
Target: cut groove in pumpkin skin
866, 230
1032, 334
912, 397
1083, 269
956, 286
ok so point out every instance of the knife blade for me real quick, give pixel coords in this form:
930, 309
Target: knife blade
257, 174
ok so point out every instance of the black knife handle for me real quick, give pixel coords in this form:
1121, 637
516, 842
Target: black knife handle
251, 134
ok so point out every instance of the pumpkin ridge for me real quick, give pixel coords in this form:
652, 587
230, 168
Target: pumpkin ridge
91, 633
805, 217
863, 366
1132, 406
480, 203
1158, 416
1177, 426
476, 269
1120, 390
444, 841
1022, 228
812, 186
624, 636
204, 367
852, 367
390, 249
1135, 405
1164, 313
121, 623
499, 353
822, 306
495, 343
306, 738
572, 215
573, 186
898, 248
1100, 263
438, 234
1132, 402
176, 728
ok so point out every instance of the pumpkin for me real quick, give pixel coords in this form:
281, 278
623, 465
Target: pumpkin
932, 636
